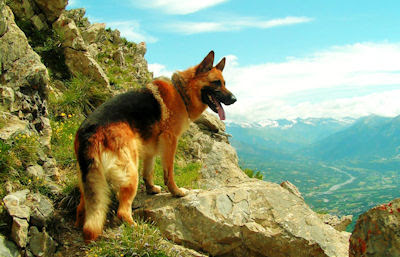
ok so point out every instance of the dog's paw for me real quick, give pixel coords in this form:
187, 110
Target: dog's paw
153, 190
180, 192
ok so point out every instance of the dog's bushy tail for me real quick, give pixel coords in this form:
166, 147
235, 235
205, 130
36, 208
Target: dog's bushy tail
93, 186
96, 194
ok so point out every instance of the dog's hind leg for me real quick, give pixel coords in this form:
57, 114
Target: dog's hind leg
148, 172
96, 200
80, 210
123, 175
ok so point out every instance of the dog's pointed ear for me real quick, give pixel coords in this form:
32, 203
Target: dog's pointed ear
206, 64
220, 66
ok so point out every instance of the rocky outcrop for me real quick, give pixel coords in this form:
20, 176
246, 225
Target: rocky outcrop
376, 233
77, 55
52, 9
28, 212
250, 218
209, 145
340, 224
23, 83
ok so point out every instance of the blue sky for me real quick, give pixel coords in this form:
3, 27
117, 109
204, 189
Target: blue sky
286, 59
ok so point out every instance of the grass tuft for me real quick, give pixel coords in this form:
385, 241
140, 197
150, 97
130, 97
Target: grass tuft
253, 174
141, 240
62, 140
186, 175
82, 96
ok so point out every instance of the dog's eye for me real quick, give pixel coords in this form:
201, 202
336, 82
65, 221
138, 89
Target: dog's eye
216, 83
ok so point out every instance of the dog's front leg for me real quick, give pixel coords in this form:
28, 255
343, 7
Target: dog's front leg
169, 143
148, 171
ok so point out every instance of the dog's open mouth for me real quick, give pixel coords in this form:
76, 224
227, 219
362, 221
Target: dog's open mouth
213, 99
216, 106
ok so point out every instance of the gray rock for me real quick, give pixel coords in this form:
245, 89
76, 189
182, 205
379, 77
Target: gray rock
77, 57
116, 36
78, 15
249, 218
45, 133
12, 125
141, 48
292, 189
52, 9
8, 248
22, 65
40, 243
219, 159
23, 9
81, 62
39, 22
71, 35
119, 58
7, 97
14, 204
19, 231
340, 224
376, 233
210, 122
42, 209
94, 33
3, 21
36, 171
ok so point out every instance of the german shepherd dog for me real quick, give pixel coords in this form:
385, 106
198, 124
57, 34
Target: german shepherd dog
140, 124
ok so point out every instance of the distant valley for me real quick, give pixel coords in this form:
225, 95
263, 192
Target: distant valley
341, 166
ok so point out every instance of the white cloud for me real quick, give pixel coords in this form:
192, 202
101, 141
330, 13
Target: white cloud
234, 23
267, 90
385, 104
178, 6
159, 70
132, 31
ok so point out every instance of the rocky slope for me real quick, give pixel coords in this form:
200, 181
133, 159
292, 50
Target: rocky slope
230, 215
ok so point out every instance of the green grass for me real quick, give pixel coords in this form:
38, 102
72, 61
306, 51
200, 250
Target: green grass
82, 96
62, 140
16, 155
185, 176
253, 174
141, 240
19, 152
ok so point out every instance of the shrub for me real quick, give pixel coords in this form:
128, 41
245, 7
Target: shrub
252, 174
82, 95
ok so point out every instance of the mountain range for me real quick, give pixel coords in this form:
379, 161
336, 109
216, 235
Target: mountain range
327, 139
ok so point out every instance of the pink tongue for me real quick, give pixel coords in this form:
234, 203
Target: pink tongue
221, 112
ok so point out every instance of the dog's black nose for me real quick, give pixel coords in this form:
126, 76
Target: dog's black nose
231, 100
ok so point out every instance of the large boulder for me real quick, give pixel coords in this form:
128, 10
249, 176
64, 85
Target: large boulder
21, 66
52, 9
377, 232
24, 82
77, 56
249, 218
209, 144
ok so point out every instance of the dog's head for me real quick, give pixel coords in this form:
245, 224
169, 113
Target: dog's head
213, 91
